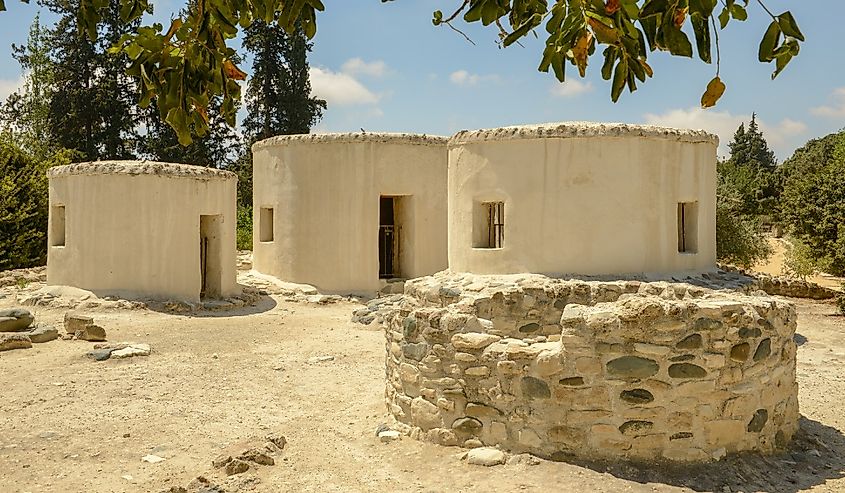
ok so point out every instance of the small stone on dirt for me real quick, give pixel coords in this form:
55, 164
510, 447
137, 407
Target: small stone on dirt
486, 456
221, 460
152, 459
278, 440
389, 436
523, 459
43, 333
236, 466
131, 350
257, 456
319, 359
99, 354
92, 333
14, 340
15, 320
75, 322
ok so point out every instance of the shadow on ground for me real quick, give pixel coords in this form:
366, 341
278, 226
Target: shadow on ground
815, 456
263, 303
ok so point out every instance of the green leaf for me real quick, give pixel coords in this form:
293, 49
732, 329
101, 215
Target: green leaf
2, 5
789, 26
619, 78
701, 28
610, 55
654, 7
738, 12
676, 41
769, 42
438, 18
724, 18
714, 92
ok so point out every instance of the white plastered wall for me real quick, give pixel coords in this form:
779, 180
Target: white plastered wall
324, 191
137, 235
591, 205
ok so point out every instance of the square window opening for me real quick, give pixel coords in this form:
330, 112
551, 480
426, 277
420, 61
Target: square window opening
489, 225
57, 226
688, 227
266, 224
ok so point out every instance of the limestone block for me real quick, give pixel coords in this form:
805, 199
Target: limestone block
14, 340
425, 414
473, 341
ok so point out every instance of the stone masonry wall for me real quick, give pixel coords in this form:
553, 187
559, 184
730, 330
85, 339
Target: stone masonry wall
643, 371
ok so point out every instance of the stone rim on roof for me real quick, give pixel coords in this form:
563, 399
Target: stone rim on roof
352, 138
583, 130
134, 168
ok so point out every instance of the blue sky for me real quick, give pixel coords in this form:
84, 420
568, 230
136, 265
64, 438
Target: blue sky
385, 67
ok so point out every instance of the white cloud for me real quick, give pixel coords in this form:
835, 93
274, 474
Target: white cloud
339, 88
357, 66
9, 86
571, 88
724, 124
836, 109
464, 78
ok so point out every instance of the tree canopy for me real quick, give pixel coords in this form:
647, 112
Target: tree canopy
188, 64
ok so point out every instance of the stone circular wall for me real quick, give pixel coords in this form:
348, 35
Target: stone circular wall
643, 371
582, 198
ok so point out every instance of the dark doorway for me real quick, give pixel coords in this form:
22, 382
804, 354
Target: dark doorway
210, 256
388, 238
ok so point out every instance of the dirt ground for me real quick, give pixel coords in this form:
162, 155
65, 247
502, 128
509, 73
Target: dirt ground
774, 266
69, 424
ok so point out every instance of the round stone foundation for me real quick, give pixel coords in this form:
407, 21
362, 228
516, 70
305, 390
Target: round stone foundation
591, 369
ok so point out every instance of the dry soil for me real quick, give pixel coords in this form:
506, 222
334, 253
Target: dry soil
69, 424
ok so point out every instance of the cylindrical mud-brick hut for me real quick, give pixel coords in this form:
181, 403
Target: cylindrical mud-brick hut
142, 229
349, 212
582, 198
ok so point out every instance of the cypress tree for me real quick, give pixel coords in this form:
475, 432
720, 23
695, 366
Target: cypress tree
93, 104
278, 98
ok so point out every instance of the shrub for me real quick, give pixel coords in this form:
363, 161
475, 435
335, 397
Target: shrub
739, 240
840, 300
244, 228
23, 209
799, 260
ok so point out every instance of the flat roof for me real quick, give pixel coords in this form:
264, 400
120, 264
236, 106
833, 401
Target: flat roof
353, 138
582, 130
154, 168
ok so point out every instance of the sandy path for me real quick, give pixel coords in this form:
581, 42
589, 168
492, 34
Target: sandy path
68, 424
774, 266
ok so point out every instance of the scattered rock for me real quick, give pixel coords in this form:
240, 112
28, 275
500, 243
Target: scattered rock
278, 440
131, 350
389, 436
99, 354
221, 460
257, 456
15, 320
236, 466
14, 340
319, 359
75, 322
523, 459
486, 456
43, 333
152, 459
93, 333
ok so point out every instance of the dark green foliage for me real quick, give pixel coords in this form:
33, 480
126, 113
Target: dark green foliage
24, 114
813, 200
738, 238
752, 171
279, 100
244, 233
93, 104
23, 206
840, 300
217, 148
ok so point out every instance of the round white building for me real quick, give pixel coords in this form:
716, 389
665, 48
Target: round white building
582, 198
141, 229
348, 212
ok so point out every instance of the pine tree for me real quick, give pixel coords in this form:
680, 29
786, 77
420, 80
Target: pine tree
278, 99
752, 170
24, 114
93, 105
